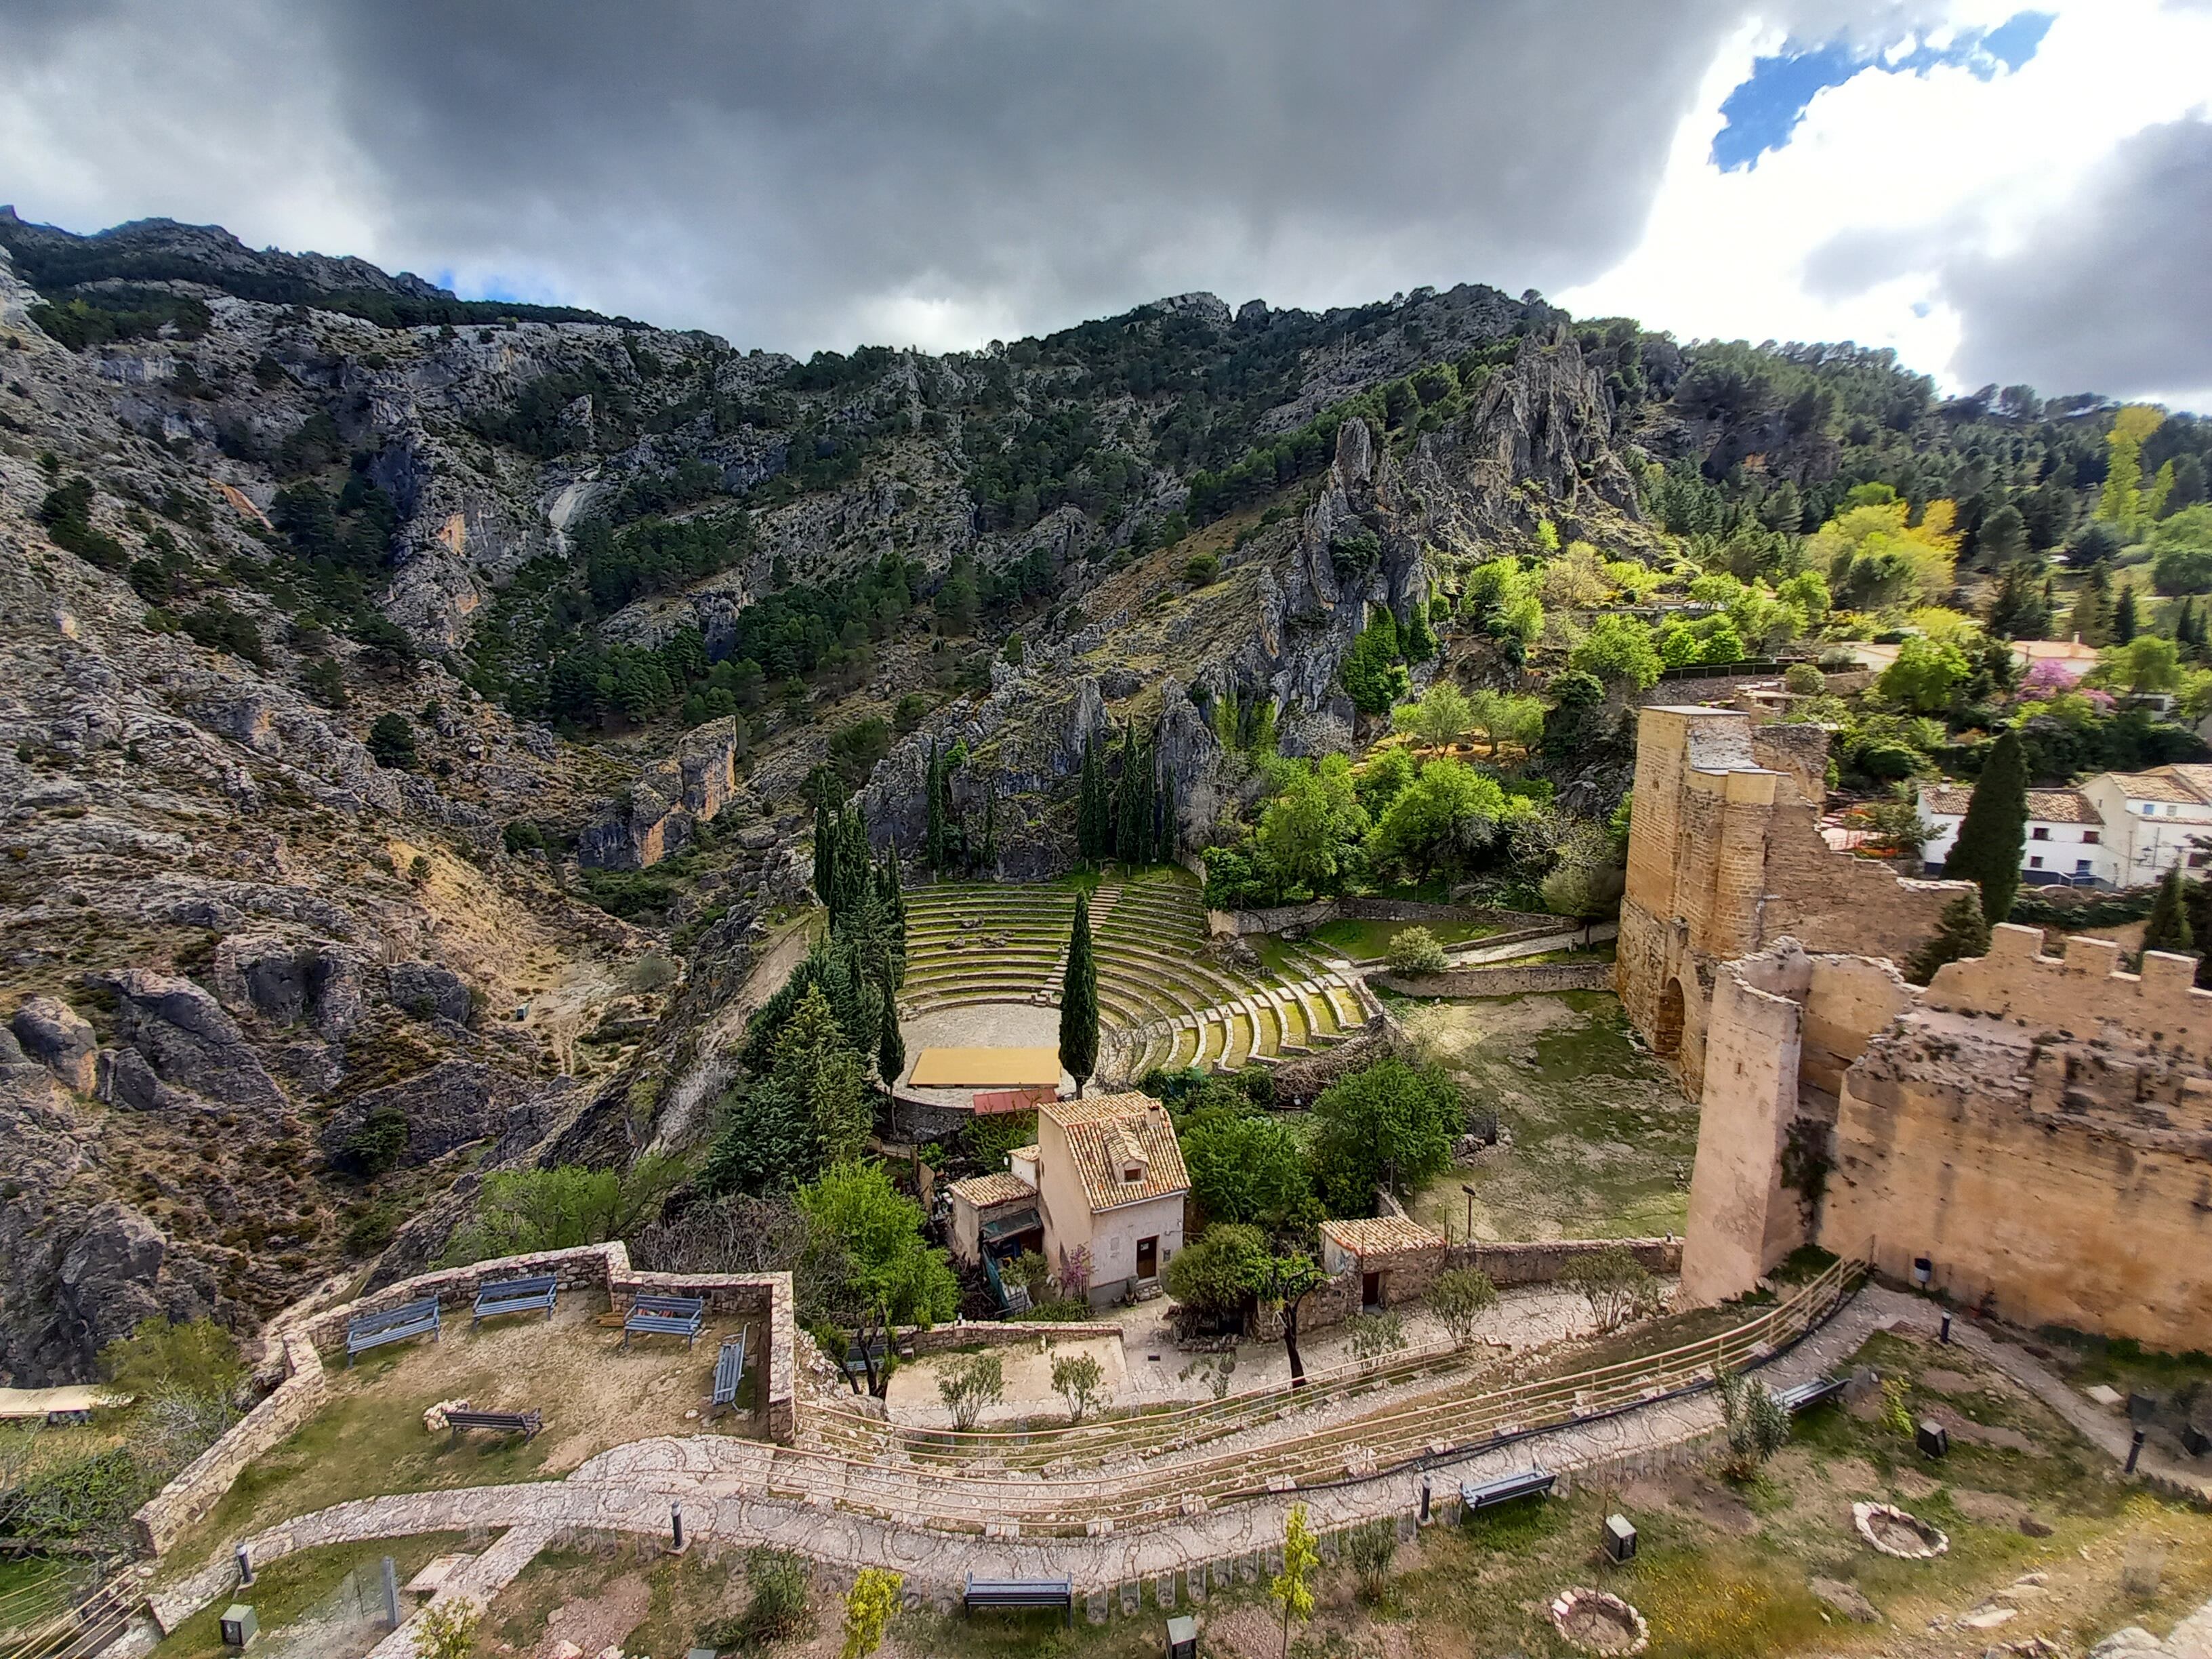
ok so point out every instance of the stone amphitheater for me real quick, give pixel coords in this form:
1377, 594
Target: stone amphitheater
1166, 998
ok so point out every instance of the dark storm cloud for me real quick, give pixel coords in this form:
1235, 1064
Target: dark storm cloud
778, 170
789, 175
2112, 291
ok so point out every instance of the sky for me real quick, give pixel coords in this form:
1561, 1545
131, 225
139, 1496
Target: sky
2003, 193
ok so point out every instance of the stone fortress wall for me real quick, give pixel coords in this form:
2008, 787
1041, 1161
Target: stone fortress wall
2038, 1130
1725, 857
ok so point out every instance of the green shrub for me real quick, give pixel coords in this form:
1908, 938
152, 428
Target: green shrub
391, 742
377, 1142
1200, 568
1417, 951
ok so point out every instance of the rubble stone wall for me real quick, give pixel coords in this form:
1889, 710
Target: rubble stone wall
2038, 1129
1725, 858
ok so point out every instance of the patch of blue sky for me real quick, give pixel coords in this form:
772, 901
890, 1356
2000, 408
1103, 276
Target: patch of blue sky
1763, 111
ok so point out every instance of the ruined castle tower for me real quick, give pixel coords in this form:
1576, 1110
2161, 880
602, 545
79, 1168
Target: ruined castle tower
1725, 857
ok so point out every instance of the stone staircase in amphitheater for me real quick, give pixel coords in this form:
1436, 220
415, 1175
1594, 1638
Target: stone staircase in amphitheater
1163, 998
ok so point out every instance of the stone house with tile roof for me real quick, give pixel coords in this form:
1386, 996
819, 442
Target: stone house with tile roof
1397, 1258
1110, 1188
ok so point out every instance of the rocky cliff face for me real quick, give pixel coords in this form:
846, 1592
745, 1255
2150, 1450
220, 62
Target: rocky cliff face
232, 936
264, 993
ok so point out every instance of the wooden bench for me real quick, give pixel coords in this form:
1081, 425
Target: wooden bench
366, 1331
1806, 1396
729, 1371
666, 1316
856, 1362
526, 1424
1055, 1593
511, 1295
1534, 1481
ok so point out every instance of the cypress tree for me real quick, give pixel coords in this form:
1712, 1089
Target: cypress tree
2123, 616
1994, 835
1090, 805
2168, 927
1078, 1002
825, 857
1165, 848
2196, 906
936, 843
890, 1046
1960, 933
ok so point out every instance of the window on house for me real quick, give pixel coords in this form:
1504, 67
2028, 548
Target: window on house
2198, 860
2080, 867
2150, 811
2173, 812
2039, 834
2089, 837
2036, 863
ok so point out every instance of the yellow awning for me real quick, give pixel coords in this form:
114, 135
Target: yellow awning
985, 1068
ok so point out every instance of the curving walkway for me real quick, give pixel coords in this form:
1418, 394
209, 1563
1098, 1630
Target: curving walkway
746, 1492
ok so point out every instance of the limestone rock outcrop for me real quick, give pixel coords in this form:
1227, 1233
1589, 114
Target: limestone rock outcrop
60, 1039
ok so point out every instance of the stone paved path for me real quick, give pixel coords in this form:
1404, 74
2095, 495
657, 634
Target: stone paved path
724, 1487
2108, 1431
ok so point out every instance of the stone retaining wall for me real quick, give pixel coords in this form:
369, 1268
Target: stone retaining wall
201, 1483
943, 1338
1275, 919
1542, 1260
1505, 980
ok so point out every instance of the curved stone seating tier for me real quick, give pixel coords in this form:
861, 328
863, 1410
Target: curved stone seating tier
1163, 1000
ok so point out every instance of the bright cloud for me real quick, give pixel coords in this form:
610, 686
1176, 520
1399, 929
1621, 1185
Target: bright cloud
1854, 225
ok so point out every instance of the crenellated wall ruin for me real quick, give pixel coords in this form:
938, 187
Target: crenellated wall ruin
2038, 1130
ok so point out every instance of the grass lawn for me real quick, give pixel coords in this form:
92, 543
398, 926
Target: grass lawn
369, 1439
311, 1581
1369, 941
1602, 1139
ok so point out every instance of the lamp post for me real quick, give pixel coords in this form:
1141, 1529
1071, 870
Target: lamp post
1469, 1191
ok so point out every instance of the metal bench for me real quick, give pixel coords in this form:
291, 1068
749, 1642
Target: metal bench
666, 1316
1534, 1481
526, 1424
729, 1370
511, 1295
1057, 1593
856, 1362
1806, 1396
366, 1331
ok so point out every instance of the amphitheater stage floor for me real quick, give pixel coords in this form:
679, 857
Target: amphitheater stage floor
991, 1028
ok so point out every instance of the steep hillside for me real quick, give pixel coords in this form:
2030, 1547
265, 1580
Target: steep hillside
415, 705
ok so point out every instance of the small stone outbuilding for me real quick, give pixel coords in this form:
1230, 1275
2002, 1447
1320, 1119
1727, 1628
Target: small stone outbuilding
997, 1212
1397, 1258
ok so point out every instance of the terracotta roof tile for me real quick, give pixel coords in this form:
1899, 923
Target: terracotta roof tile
2157, 785
2044, 805
1108, 1134
999, 1187
1386, 1235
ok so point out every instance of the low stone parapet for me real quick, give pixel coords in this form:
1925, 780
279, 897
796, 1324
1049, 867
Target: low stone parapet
1541, 1261
993, 1333
201, 1483
1275, 918
1505, 980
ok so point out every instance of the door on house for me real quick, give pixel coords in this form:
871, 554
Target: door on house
1371, 1290
1148, 1258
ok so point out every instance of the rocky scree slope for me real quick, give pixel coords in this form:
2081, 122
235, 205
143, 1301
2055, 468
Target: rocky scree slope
254, 988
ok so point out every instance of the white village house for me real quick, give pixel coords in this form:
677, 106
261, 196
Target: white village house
1105, 1184
2115, 829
